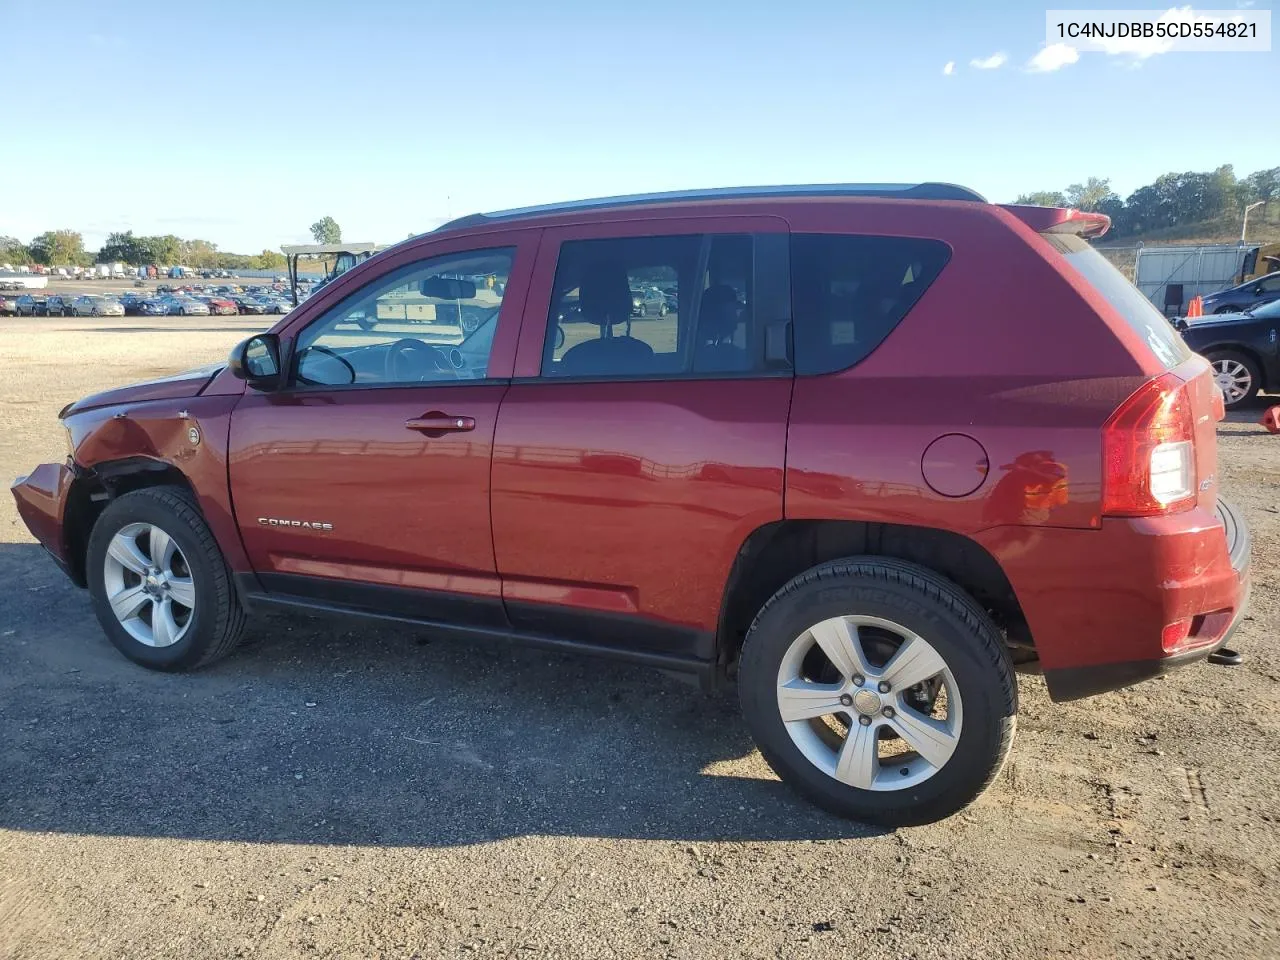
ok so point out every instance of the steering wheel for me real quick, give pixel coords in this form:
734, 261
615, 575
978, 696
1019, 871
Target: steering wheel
316, 348
402, 353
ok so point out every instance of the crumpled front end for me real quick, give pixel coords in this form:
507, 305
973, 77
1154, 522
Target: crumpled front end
42, 502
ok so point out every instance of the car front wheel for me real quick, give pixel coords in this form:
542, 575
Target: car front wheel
879, 690
159, 584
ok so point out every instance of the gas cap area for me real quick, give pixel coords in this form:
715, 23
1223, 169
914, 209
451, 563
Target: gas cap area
954, 465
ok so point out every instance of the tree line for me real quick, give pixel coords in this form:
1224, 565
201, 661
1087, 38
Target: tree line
1173, 200
65, 248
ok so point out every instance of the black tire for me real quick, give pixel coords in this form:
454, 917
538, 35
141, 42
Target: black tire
218, 618
1255, 374
932, 607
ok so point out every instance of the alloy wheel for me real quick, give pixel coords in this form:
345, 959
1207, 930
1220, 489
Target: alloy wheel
869, 702
148, 584
1233, 379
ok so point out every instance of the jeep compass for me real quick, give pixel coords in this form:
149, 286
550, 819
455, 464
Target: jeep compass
884, 444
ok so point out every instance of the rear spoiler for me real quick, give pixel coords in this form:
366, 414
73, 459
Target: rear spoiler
1060, 220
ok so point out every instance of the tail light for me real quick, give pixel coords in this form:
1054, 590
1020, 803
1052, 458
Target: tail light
1148, 452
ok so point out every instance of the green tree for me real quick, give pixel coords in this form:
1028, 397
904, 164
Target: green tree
124, 247
13, 251
1261, 185
200, 254
326, 230
57, 248
269, 260
1221, 191
1089, 195
1042, 198
163, 251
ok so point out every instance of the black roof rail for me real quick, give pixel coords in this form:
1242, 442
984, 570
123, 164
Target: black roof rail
897, 191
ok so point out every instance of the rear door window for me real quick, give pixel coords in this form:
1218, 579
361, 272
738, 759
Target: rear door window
1139, 312
654, 307
849, 292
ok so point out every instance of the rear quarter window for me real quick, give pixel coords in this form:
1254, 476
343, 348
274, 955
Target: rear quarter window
1127, 300
849, 292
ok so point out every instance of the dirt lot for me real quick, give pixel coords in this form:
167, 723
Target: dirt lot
349, 791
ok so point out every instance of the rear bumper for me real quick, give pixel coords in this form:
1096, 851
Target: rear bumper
1076, 683
42, 501
1097, 602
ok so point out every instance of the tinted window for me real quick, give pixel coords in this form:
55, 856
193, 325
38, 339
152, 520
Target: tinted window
849, 292
653, 306
1142, 316
427, 322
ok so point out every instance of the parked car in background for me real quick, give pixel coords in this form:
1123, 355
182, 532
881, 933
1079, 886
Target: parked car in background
132, 302
154, 306
189, 307
1244, 349
222, 306
30, 305
93, 305
8, 304
58, 305
1248, 294
649, 302
733, 498
274, 305
249, 305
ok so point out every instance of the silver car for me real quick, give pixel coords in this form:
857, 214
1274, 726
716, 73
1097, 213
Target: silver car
92, 305
186, 307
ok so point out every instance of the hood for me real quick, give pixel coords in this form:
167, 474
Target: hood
1216, 318
186, 384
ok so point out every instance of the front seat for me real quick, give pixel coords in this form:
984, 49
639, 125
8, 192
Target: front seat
604, 298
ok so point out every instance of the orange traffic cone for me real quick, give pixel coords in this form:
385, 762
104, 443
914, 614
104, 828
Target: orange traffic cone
1195, 308
1271, 419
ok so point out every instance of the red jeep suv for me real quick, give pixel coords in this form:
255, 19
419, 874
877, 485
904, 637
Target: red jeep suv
885, 443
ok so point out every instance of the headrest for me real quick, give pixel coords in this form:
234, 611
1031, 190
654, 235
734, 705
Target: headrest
604, 295
718, 314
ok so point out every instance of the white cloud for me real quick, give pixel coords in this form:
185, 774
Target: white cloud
993, 62
1053, 57
950, 68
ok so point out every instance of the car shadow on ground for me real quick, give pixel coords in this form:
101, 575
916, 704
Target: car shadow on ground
342, 732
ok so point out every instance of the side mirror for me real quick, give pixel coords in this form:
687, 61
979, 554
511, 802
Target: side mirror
257, 361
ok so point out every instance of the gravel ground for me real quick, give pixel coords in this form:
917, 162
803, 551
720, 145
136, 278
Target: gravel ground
342, 790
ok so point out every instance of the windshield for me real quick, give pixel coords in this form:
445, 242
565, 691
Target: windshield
1268, 311
1142, 316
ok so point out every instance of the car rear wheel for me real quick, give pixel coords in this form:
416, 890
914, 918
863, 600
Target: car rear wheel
158, 582
879, 690
1237, 376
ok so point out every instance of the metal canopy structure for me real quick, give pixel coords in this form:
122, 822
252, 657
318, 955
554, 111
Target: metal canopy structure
346, 255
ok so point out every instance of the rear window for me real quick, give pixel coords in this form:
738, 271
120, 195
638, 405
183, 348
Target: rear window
849, 292
1141, 315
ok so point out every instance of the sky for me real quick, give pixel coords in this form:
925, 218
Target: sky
243, 122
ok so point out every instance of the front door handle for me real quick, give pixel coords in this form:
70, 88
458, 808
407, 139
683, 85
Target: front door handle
436, 422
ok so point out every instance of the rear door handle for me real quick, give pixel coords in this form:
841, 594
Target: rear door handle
436, 422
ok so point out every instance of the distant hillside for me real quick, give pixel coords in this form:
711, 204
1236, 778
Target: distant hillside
1220, 230
1123, 252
